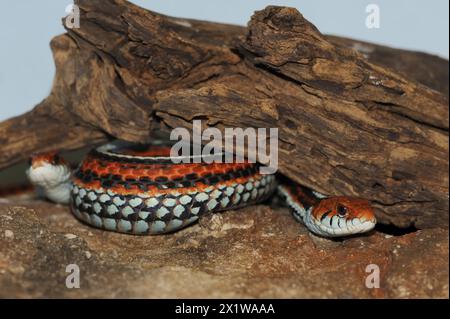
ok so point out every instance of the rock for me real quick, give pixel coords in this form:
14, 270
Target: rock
9, 234
257, 252
70, 236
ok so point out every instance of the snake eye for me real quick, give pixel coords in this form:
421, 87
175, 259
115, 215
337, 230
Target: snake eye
56, 159
341, 210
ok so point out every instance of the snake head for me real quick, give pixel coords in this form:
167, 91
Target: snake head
48, 170
342, 216
40, 159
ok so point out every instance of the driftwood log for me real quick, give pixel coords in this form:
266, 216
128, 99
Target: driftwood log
354, 118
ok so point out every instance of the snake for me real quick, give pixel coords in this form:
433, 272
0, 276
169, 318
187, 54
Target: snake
143, 190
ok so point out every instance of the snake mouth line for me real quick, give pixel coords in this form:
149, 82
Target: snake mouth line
346, 227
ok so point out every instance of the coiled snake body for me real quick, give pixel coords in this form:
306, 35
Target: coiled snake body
140, 190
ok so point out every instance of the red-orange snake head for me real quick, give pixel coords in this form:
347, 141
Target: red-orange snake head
341, 216
52, 175
329, 217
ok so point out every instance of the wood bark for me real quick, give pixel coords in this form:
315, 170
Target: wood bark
354, 118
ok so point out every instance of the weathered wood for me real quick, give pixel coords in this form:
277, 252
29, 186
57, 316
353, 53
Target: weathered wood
364, 123
424, 68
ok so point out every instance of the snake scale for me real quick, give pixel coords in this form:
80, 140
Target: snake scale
140, 190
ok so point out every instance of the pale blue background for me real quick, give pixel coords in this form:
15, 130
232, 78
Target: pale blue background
26, 27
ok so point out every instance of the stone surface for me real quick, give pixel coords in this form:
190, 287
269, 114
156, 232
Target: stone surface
257, 252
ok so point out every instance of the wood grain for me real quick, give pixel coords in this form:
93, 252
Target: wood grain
354, 118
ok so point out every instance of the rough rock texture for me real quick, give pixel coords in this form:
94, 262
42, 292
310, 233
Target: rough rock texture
255, 252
